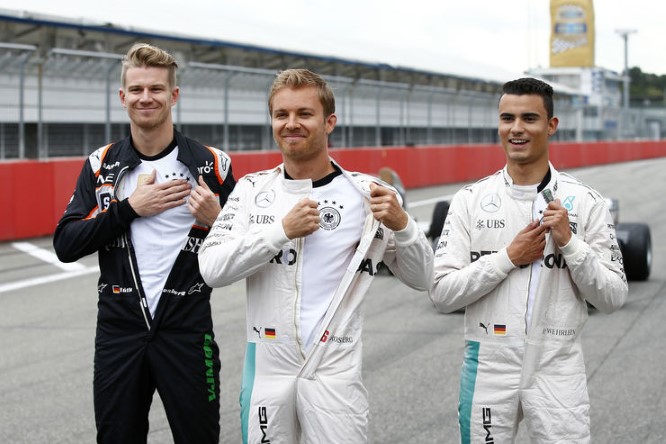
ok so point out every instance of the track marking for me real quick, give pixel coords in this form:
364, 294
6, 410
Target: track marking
4, 288
70, 270
46, 256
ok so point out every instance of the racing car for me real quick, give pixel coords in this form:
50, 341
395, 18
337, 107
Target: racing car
633, 238
635, 244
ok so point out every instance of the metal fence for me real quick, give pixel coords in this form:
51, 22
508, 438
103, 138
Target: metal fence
65, 103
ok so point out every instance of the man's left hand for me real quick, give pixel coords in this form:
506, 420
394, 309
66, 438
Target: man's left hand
386, 208
203, 204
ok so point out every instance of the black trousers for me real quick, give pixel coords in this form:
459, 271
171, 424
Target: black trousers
184, 369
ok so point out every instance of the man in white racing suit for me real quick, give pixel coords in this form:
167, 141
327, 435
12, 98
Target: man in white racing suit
523, 250
308, 237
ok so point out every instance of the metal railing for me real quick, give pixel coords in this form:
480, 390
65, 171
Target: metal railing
65, 103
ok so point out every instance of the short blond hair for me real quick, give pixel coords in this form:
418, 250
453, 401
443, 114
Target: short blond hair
300, 78
145, 55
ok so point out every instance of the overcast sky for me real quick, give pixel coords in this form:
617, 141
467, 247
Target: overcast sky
482, 37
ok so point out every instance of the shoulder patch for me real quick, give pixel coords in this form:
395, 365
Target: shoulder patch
221, 164
96, 158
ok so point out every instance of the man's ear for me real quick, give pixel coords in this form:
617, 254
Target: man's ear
121, 95
552, 125
175, 93
330, 123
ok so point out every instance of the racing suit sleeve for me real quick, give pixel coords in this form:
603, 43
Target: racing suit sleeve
409, 256
222, 182
227, 186
595, 261
231, 252
458, 281
86, 227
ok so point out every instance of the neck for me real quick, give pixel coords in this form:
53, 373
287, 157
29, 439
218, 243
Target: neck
527, 174
151, 142
308, 170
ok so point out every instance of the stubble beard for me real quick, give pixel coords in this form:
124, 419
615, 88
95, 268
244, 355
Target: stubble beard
151, 124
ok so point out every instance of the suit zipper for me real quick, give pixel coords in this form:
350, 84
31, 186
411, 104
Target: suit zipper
529, 281
297, 299
143, 302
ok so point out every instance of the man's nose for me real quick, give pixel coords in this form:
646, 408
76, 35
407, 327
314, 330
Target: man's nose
292, 121
145, 94
517, 127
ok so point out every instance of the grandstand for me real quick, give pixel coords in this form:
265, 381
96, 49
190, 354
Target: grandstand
59, 82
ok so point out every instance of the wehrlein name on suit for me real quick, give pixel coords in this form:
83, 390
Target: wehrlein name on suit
559, 332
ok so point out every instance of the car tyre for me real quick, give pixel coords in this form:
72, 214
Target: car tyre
438, 219
636, 246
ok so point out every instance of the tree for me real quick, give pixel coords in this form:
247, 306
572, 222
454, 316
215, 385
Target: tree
646, 89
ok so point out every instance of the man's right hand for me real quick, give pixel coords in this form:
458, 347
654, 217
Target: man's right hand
152, 198
528, 245
301, 220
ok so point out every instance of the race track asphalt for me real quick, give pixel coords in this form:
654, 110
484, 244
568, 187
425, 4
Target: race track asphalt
412, 354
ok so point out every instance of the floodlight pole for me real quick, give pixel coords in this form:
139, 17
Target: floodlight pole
624, 33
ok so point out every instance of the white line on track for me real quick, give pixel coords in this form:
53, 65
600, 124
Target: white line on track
46, 256
70, 270
46, 279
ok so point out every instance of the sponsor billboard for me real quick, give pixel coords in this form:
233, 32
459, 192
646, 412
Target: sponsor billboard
571, 33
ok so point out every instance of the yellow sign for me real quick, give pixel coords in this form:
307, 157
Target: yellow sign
571, 33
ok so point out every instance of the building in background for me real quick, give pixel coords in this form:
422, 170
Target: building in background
601, 99
572, 64
59, 80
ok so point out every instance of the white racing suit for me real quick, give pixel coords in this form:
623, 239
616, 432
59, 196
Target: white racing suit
288, 395
513, 370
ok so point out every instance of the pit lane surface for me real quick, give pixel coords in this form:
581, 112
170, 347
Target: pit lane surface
412, 354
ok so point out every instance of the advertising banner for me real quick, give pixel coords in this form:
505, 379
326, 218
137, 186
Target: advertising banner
571, 33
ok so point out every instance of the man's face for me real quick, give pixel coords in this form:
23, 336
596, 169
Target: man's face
299, 126
524, 128
148, 97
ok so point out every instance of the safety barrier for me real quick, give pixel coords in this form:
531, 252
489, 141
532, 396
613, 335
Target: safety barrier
35, 193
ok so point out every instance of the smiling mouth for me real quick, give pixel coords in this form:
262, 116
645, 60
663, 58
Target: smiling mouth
293, 136
518, 141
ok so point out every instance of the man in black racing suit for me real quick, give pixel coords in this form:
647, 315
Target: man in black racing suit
145, 205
